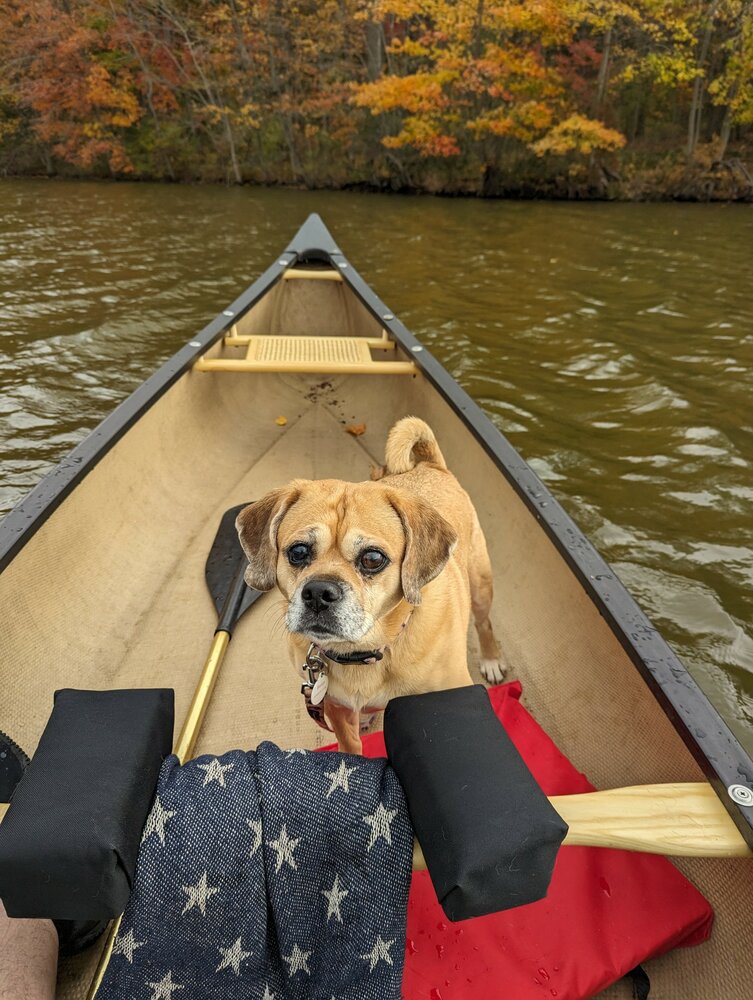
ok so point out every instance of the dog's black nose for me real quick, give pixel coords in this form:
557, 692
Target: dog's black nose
318, 595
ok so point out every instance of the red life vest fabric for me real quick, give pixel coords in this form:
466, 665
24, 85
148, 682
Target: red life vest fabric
606, 911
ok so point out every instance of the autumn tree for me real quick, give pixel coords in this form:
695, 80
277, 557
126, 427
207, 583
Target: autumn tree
483, 83
62, 64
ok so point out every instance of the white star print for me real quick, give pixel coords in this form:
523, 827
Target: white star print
297, 960
268, 994
381, 950
163, 990
255, 825
233, 957
339, 778
215, 771
334, 896
156, 821
198, 895
284, 846
126, 945
289, 753
379, 821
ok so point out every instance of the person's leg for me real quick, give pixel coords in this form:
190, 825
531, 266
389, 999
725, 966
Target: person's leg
28, 948
28, 958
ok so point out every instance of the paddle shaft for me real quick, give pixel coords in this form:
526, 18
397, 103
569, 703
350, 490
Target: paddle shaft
191, 728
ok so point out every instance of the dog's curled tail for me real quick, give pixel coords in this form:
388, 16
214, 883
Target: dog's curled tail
409, 442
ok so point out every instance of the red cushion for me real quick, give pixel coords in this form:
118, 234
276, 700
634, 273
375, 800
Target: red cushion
606, 911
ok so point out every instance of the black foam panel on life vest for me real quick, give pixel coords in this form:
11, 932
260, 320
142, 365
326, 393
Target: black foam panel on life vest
488, 833
69, 841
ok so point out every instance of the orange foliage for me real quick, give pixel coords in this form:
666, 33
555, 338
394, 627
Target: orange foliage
82, 105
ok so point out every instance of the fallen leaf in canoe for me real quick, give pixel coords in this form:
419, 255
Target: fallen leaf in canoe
356, 429
281, 421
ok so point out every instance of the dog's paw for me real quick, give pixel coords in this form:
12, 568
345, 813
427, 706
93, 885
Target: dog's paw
493, 671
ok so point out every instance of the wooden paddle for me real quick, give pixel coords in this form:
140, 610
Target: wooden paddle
225, 566
224, 572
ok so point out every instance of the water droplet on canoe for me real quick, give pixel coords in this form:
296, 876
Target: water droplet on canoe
604, 886
544, 974
441, 926
440, 950
411, 946
435, 994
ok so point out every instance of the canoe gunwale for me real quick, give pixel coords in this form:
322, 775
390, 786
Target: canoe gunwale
720, 756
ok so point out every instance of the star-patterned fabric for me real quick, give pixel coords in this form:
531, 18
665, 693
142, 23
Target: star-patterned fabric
270, 875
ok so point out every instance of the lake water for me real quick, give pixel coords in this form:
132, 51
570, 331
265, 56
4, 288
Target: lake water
613, 345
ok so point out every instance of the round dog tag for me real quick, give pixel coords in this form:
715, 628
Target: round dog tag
319, 689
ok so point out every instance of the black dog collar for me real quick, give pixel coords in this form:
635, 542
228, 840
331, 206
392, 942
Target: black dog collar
357, 656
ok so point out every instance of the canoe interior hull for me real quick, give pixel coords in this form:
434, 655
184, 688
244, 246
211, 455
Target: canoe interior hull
110, 591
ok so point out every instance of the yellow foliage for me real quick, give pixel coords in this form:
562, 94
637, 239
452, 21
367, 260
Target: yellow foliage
580, 135
419, 92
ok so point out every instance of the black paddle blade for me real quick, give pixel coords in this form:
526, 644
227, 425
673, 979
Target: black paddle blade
224, 570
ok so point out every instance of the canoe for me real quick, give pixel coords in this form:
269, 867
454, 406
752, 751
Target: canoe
101, 566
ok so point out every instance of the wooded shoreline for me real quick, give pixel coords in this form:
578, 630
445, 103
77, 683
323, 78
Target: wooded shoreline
633, 100
697, 187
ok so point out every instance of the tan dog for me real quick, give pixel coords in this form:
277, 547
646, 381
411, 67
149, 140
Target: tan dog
386, 570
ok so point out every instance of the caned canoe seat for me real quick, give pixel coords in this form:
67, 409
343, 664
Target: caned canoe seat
318, 355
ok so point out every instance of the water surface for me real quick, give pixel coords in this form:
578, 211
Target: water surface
613, 345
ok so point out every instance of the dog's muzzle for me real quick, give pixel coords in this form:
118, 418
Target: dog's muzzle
324, 609
321, 595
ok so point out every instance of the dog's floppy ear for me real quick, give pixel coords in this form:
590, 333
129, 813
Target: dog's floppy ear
429, 541
257, 527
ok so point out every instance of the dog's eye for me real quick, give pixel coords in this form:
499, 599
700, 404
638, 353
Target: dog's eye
372, 560
298, 554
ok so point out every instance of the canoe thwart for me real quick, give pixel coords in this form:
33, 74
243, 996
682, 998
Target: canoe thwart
306, 274
674, 819
319, 355
716, 836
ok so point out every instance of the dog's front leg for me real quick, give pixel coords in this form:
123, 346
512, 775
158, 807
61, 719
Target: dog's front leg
345, 723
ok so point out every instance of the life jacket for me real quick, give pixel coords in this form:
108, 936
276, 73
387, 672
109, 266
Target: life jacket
606, 910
